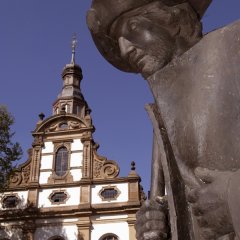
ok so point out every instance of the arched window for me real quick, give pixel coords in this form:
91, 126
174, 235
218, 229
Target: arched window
67, 108
57, 110
61, 161
109, 236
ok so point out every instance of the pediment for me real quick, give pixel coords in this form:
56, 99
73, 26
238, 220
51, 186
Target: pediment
61, 123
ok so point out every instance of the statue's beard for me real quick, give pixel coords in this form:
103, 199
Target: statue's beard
148, 61
152, 64
149, 64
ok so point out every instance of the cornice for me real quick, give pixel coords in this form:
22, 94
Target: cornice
57, 118
80, 183
82, 210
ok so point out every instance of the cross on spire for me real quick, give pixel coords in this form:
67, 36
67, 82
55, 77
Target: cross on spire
74, 45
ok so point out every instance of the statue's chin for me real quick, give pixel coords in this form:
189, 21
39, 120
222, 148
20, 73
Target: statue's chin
148, 65
150, 69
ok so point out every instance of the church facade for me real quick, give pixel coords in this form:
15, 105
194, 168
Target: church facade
65, 190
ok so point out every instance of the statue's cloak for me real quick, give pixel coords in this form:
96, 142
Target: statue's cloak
198, 96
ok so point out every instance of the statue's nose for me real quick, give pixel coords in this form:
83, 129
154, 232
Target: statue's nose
125, 46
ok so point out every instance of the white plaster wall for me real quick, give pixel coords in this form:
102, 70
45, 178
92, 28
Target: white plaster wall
76, 145
55, 221
77, 174
110, 217
23, 195
73, 192
118, 228
123, 197
76, 159
48, 147
68, 232
43, 178
46, 162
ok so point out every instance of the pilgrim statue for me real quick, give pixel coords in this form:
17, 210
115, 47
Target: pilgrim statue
195, 81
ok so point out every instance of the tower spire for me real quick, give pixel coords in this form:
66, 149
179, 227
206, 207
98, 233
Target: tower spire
70, 100
74, 45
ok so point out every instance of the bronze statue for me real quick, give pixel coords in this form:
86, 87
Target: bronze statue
195, 81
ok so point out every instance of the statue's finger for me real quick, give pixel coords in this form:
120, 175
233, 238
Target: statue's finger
154, 235
197, 210
153, 225
162, 200
193, 195
208, 233
206, 175
149, 206
202, 221
151, 215
157, 215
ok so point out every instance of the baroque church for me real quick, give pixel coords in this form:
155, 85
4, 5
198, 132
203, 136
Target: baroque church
65, 190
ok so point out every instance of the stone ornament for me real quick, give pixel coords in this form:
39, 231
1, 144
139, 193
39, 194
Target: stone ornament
102, 167
64, 126
64, 123
21, 176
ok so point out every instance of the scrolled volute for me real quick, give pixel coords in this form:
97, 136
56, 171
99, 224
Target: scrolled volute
109, 169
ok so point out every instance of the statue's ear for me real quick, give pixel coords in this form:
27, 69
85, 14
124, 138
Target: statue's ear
92, 21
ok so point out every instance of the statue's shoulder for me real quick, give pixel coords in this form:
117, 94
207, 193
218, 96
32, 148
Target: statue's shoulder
227, 31
220, 45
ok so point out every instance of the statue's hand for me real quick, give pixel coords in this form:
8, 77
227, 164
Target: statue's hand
152, 220
209, 203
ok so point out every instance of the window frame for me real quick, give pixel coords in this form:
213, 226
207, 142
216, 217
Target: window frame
61, 158
109, 235
10, 195
56, 149
57, 191
106, 188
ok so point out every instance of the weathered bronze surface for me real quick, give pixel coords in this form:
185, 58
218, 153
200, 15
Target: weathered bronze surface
168, 28
195, 82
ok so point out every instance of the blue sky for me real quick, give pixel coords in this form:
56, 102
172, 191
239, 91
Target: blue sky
35, 46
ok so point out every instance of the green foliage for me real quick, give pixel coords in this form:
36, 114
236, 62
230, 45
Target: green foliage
9, 151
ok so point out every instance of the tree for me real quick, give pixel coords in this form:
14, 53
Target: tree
9, 151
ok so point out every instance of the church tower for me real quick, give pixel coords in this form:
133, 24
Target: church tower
65, 190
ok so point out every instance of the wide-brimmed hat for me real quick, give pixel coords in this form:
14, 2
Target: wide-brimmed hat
103, 13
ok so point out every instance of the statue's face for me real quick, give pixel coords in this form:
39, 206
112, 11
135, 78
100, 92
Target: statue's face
146, 46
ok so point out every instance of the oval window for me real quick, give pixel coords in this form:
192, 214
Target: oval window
59, 197
10, 201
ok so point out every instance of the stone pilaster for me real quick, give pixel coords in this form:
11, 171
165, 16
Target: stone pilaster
36, 157
33, 196
87, 157
85, 194
131, 222
133, 191
35, 170
84, 229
